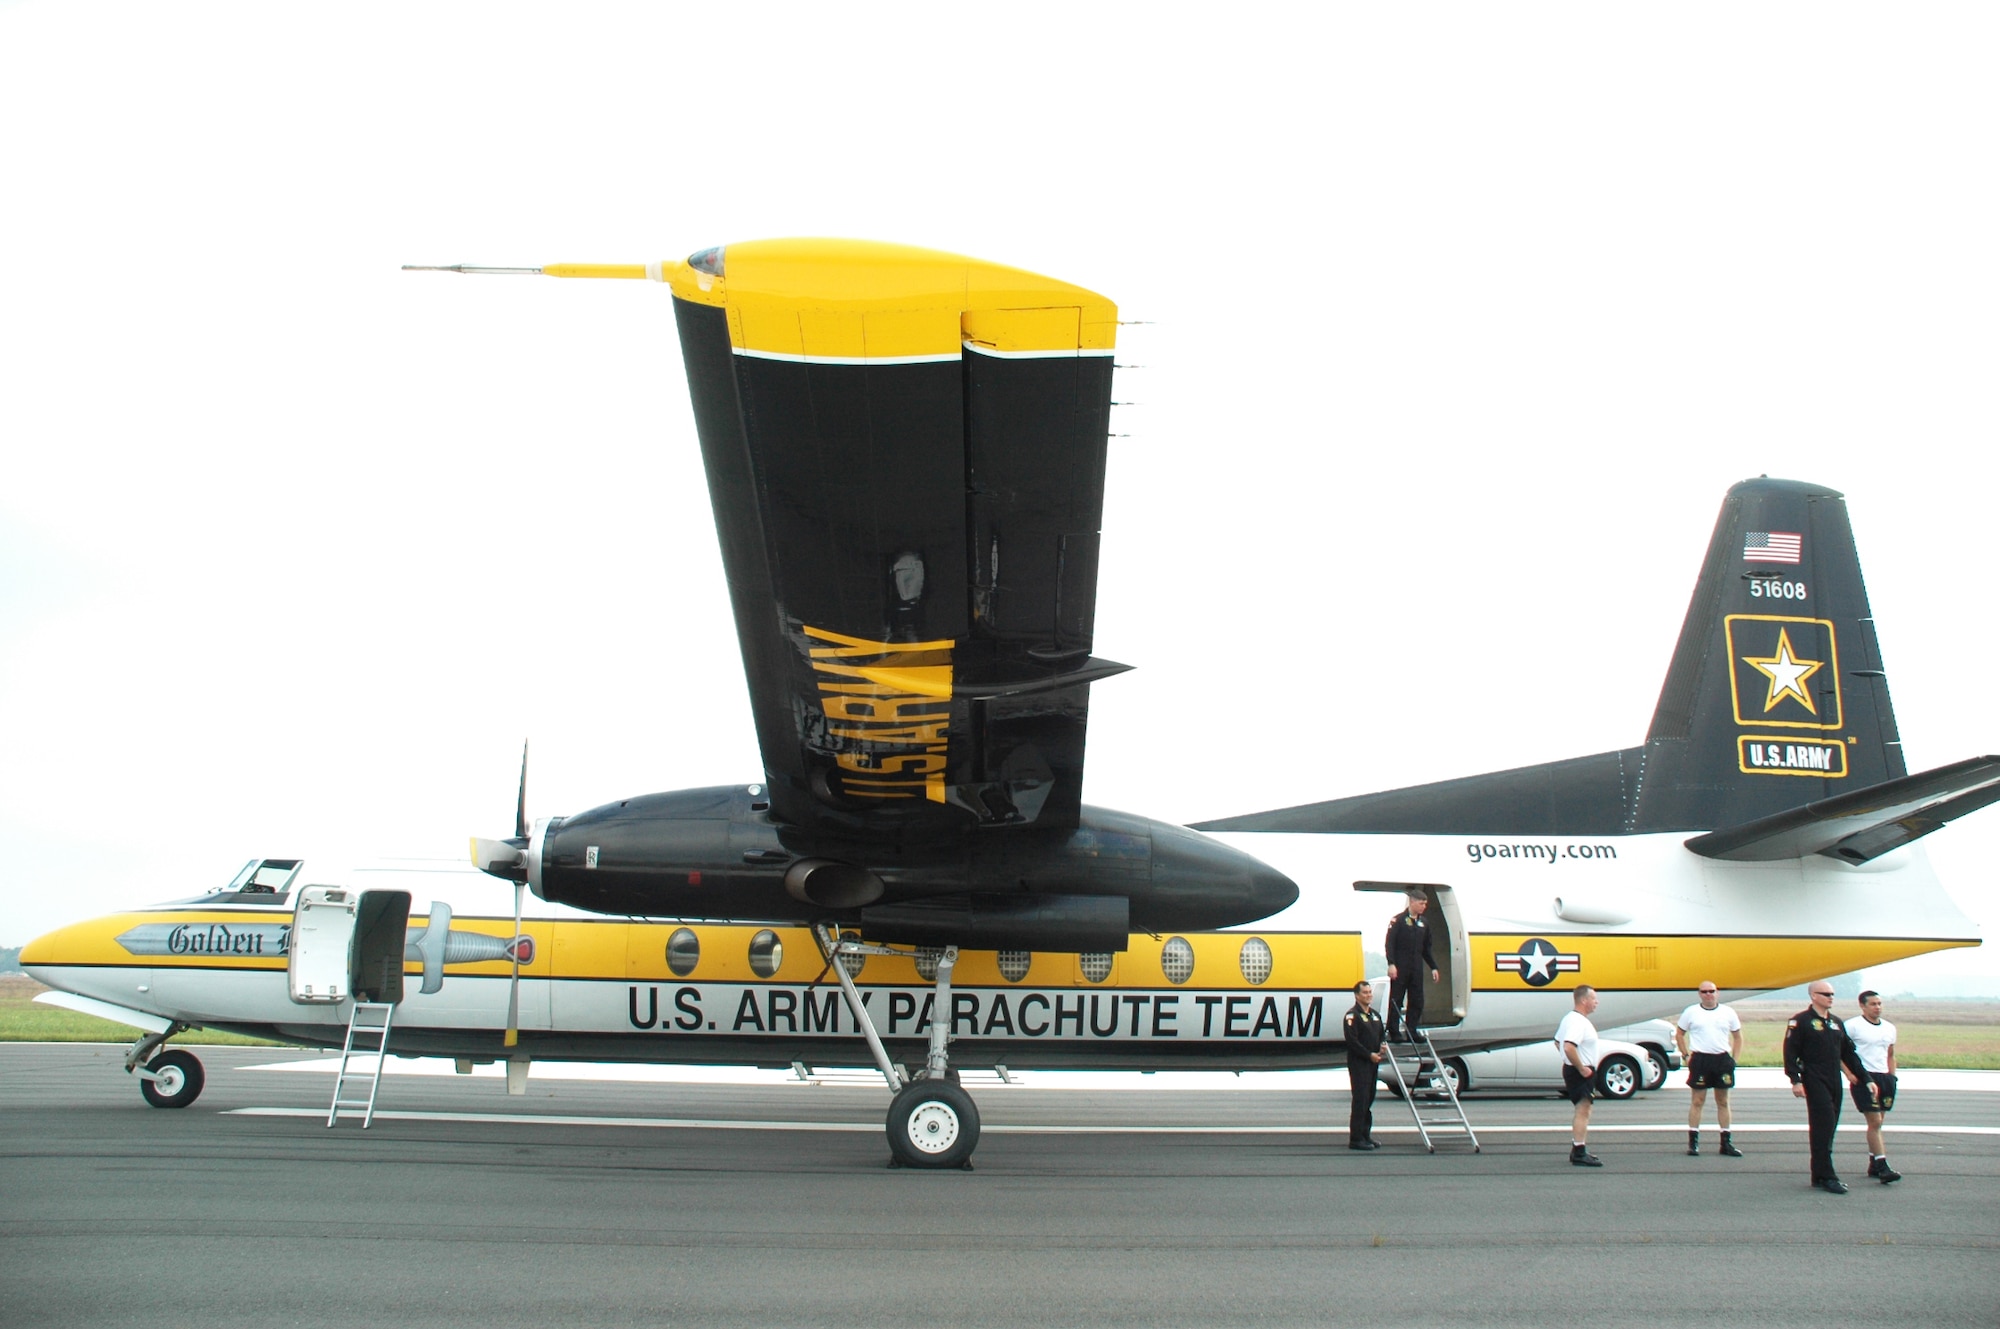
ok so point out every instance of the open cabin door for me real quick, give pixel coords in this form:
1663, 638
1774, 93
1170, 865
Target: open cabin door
1447, 1000
348, 943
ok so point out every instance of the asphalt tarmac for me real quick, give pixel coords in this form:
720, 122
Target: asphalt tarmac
643, 1202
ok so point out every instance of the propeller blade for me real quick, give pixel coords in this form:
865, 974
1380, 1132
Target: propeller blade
514, 985
521, 804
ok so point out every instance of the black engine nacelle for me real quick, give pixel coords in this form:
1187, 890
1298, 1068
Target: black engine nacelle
716, 854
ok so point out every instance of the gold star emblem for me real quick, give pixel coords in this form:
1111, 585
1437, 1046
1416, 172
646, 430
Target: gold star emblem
1788, 674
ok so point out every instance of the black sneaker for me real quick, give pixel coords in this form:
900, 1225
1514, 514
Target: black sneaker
1729, 1150
1832, 1185
1362, 1144
1581, 1157
1694, 1144
1882, 1172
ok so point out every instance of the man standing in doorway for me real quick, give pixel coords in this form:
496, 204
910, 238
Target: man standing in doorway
1362, 1032
1711, 1039
1875, 1039
1817, 1049
1408, 947
1576, 1036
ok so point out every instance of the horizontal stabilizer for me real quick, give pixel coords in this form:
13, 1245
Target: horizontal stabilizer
1862, 825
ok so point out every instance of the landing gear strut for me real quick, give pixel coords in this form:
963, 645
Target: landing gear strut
932, 1122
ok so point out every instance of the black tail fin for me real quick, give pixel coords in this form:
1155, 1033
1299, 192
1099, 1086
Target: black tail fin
1775, 699
1776, 696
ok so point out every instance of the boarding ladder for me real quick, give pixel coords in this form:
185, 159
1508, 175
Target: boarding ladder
1432, 1094
369, 1019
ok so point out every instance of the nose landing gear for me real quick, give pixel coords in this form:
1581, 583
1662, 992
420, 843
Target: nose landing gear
173, 1079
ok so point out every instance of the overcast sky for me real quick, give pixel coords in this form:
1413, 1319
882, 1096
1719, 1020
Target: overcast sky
1457, 323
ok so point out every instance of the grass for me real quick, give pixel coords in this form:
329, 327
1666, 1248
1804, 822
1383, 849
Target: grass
1933, 1035
24, 1021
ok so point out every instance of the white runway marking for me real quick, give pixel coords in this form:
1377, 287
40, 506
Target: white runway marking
729, 1124
1322, 1081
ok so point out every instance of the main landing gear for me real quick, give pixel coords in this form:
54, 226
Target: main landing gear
174, 1078
932, 1122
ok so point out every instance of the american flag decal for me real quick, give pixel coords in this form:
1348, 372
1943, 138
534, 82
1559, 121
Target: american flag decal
1772, 546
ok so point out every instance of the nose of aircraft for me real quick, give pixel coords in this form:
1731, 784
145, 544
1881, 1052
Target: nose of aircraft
1200, 884
43, 949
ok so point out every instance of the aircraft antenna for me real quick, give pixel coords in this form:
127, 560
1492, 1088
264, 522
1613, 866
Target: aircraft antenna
471, 268
621, 271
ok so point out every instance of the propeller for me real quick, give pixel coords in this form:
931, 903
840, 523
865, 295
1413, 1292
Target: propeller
509, 859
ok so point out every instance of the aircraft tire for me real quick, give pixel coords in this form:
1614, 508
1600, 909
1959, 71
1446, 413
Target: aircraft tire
180, 1081
933, 1124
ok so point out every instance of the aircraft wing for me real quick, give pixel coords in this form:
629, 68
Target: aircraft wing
1864, 824
905, 454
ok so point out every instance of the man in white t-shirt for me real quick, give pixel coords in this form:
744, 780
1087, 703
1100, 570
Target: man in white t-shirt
1875, 1039
1576, 1038
1711, 1039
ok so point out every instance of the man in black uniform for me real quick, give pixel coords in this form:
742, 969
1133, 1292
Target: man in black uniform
1409, 942
1362, 1033
1816, 1049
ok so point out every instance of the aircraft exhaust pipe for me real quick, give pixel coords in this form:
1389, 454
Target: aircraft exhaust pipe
1060, 923
832, 885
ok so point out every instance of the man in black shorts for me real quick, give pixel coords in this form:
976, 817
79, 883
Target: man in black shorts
1711, 1039
1875, 1039
1576, 1039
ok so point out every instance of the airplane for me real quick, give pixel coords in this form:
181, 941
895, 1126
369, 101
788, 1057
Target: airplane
905, 456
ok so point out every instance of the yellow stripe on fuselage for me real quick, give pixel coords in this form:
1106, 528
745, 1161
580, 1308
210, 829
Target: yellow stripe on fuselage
623, 950
618, 949
1629, 962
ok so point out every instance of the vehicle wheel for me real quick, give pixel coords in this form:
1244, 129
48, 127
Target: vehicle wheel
1454, 1071
1619, 1077
933, 1124
180, 1080
1656, 1068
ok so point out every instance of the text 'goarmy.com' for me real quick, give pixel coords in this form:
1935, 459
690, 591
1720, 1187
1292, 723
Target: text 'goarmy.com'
1479, 853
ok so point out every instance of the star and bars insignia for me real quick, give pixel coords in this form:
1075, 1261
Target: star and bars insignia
1538, 962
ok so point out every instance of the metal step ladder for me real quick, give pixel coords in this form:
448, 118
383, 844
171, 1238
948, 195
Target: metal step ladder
1432, 1094
369, 1019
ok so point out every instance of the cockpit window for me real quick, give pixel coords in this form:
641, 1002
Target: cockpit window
266, 876
262, 881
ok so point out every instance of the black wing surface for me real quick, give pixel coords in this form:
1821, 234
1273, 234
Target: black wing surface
1866, 823
905, 454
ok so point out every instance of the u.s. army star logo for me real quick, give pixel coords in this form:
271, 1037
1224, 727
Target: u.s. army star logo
1788, 674
1537, 962
1784, 672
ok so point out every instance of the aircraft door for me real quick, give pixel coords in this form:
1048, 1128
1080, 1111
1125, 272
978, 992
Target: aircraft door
322, 933
375, 959
345, 942
1452, 992
1447, 1000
